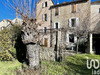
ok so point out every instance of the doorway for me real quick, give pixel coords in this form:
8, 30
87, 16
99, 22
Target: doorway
96, 43
46, 42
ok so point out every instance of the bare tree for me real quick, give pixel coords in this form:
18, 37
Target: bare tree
81, 32
26, 9
83, 29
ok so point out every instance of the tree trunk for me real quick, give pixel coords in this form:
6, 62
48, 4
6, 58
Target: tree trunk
33, 55
30, 39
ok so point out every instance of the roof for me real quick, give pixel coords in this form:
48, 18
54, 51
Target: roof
40, 0
68, 3
95, 2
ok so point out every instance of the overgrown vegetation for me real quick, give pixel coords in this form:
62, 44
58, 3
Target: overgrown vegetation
8, 38
73, 65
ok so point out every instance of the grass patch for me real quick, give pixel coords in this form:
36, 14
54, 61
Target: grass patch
73, 65
8, 68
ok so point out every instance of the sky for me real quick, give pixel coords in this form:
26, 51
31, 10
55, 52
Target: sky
5, 13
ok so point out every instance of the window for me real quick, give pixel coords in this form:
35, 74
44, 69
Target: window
73, 8
44, 17
45, 29
99, 10
56, 25
44, 4
56, 11
71, 38
73, 21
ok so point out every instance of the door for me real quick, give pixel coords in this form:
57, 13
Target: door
45, 42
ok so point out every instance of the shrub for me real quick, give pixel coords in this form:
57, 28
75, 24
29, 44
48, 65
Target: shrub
7, 42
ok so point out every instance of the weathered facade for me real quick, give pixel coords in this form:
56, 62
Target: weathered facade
95, 26
68, 15
56, 21
95, 15
43, 18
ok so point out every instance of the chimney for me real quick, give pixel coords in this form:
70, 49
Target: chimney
57, 1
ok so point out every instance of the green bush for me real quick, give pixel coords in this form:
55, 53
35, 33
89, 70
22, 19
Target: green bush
7, 42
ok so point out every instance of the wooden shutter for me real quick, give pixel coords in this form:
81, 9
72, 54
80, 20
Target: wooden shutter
69, 23
43, 29
75, 39
77, 21
67, 38
58, 24
43, 5
54, 25
43, 17
47, 3
74, 7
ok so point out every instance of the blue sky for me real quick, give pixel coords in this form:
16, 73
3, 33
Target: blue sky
5, 13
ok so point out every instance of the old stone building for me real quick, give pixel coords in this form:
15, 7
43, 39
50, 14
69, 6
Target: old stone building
57, 21
95, 26
7, 23
43, 18
68, 15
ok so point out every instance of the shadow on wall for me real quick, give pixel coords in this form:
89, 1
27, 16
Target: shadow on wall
20, 50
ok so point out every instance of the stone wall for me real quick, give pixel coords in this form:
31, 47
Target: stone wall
49, 53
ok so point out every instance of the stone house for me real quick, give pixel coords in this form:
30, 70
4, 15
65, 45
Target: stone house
4, 23
43, 18
7, 23
95, 26
68, 15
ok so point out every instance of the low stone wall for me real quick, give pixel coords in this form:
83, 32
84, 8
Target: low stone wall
49, 53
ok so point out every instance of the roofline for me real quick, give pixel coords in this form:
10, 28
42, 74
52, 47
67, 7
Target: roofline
95, 2
40, 0
67, 3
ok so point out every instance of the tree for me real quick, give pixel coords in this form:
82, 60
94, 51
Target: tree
8, 37
83, 29
26, 9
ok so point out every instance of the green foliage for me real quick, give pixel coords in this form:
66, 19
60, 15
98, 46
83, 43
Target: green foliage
73, 65
9, 67
7, 42
52, 68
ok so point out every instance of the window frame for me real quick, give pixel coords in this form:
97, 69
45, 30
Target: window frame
45, 4
73, 37
70, 22
55, 11
71, 8
55, 25
73, 20
45, 17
